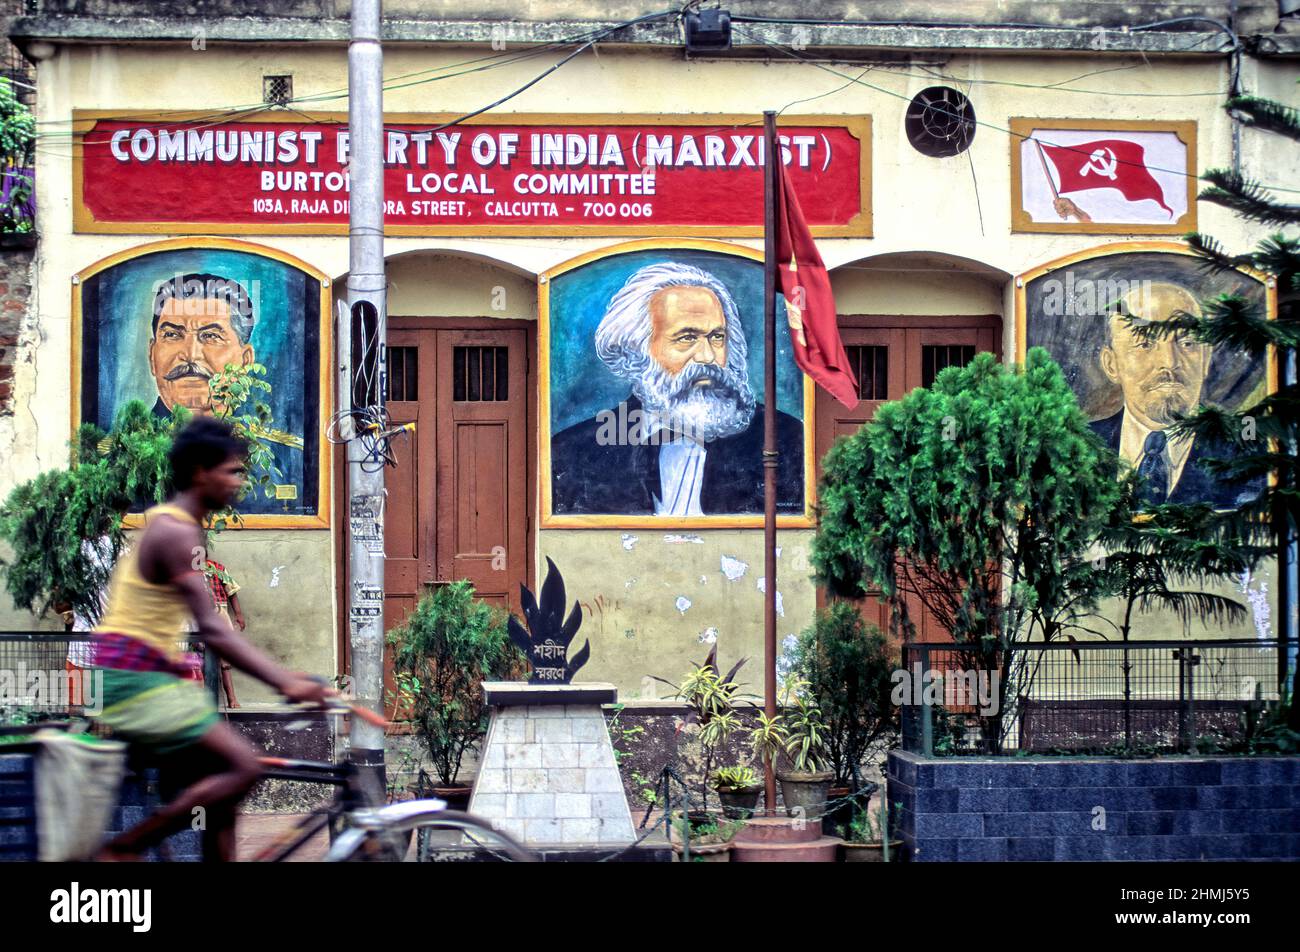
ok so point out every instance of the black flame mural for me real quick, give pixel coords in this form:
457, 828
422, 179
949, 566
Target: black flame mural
547, 638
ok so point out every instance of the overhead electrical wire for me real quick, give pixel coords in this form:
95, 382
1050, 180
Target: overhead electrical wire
371, 425
71, 137
979, 122
589, 39
341, 92
584, 41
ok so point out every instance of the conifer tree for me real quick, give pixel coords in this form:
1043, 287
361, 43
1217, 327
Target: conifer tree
1258, 440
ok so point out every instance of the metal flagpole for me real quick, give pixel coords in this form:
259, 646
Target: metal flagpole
1046, 174
772, 156
1079, 213
367, 293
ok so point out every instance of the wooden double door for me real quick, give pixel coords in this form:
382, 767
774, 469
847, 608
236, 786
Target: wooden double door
459, 498
891, 356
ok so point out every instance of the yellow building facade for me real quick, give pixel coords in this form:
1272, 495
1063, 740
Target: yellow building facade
943, 244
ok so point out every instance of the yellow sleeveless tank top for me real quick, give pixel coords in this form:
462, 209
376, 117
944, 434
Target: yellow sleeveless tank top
139, 609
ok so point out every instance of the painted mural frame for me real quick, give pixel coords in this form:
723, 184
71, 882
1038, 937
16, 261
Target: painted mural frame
549, 518
324, 384
1023, 128
857, 125
1024, 279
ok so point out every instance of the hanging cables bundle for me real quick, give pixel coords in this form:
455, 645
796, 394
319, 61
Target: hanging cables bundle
368, 421
373, 428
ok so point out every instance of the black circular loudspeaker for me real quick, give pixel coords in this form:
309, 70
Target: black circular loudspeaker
940, 122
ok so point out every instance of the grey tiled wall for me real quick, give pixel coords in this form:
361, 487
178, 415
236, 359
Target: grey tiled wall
1173, 808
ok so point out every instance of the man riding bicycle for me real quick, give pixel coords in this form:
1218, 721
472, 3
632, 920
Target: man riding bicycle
148, 700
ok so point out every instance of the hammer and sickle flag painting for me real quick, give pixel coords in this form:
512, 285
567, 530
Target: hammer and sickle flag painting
1106, 163
809, 305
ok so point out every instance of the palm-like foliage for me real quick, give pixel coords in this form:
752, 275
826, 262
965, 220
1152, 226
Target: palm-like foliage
1259, 439
1267, 115
1247, 198
767, 739
805, 742
709, 698
729, 779
1158, 561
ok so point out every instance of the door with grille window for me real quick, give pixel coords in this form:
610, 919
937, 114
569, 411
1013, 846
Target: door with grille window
891, 356
458, 499
482, 462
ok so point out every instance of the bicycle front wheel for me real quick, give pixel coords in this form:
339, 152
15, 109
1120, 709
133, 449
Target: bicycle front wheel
364, 841
481, 834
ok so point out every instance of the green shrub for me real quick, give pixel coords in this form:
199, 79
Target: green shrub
848, 666
46, 520
444, 651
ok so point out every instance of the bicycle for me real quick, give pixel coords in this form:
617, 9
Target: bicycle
361, 830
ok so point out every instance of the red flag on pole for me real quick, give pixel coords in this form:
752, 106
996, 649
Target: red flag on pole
1106, 163
809, 304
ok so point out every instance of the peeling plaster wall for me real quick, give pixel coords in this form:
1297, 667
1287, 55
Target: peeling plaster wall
286, 583
286, 592
18, 339
654, 601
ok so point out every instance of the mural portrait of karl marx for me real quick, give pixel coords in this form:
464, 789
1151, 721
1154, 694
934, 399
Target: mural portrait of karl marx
690, 435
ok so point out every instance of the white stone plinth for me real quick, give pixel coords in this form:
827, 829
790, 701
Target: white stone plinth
548, 777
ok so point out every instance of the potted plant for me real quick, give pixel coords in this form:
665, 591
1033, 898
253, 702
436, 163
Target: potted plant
848, 666
702, 841
738, 789
767, 740
806, 782
709, 698
864, 838
443, 652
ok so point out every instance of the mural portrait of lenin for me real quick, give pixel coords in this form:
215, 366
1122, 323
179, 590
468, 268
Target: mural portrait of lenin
1134, 388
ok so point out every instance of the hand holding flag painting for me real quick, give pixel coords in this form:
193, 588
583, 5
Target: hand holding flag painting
1103, 163
809, 304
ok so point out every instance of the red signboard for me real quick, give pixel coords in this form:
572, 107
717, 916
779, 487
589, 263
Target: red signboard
696, 175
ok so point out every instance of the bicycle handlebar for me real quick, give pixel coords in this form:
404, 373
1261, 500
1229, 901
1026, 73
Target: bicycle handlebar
367, 715
338, 708
340, 705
